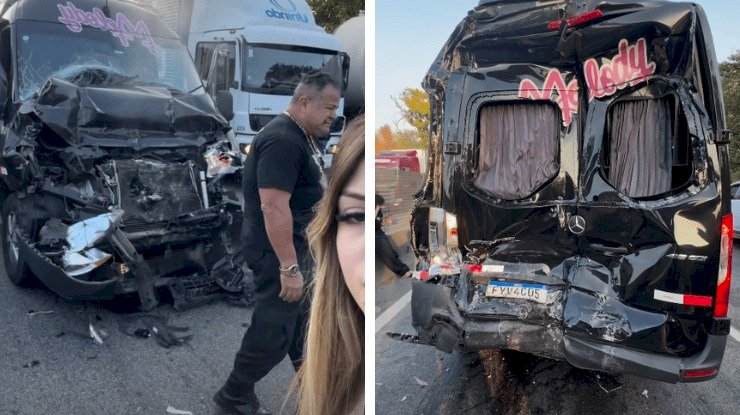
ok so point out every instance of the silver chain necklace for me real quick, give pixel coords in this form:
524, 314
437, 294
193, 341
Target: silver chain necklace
317, 156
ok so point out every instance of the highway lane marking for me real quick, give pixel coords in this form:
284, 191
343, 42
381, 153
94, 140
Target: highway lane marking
735, 333
392, 312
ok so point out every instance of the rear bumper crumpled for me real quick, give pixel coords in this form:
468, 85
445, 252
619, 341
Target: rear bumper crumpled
440, 323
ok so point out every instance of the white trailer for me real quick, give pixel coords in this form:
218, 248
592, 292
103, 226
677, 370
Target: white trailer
257, 50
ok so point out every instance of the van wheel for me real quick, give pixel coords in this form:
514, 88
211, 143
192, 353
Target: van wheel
15, 266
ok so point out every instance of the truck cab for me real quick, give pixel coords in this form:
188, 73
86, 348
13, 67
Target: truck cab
258, 51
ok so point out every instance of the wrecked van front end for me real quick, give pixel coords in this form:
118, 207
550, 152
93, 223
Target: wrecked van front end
111, 161
577, 205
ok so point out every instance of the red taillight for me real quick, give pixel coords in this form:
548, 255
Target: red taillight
694, 374
724, 274
576, 20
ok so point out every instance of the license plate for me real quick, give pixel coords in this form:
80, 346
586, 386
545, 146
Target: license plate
525, 291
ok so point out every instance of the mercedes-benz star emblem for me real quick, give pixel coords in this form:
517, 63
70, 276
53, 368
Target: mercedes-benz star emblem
577, 224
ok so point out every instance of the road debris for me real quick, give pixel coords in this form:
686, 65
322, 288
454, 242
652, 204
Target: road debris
645, 393
421, 382
608, 383
171, 410
142, 333
147, 325
32, 313
94, 334
32, 364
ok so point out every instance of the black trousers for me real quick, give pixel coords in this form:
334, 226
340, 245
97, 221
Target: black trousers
386, 253
278, 328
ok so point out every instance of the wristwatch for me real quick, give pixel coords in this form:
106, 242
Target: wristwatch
291, 271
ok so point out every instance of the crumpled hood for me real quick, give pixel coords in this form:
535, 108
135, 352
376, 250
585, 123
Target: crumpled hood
125, 116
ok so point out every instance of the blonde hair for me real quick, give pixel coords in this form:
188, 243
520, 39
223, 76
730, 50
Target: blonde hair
332, 376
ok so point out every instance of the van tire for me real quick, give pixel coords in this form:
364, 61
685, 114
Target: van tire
15, 266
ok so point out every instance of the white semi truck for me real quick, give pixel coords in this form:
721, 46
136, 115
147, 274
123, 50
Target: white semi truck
257, 50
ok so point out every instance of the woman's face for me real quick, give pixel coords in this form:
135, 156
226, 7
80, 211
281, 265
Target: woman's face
351, 234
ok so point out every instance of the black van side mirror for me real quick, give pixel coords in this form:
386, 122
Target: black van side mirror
225, 104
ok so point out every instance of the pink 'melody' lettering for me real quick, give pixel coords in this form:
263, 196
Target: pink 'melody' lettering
629, 66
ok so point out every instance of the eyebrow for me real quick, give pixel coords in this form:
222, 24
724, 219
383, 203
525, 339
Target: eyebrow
354, 195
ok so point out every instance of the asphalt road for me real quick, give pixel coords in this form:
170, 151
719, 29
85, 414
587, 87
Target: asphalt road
49, 363
417, 379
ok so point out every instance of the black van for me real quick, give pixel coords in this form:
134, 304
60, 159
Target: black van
111, 156
577, 204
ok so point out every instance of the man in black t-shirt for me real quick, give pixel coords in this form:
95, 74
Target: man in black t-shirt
282, 181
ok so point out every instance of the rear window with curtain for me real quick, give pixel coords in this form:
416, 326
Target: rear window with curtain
647, 151
518, 148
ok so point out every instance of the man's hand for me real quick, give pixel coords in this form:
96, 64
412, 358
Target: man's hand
291, 288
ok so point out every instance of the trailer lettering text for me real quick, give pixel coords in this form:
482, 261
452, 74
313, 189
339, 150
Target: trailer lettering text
629, 66
567, 95
295, 17
121, 28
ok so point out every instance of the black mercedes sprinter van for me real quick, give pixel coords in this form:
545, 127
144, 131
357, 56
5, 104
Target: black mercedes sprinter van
577, 204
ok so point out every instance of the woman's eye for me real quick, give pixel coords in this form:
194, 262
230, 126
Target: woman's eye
354, 217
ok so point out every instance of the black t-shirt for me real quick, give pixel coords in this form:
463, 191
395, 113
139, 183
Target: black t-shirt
280, 158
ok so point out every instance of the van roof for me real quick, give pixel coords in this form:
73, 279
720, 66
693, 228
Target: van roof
518, 34
48, 11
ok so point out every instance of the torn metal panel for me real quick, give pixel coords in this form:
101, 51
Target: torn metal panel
87, 233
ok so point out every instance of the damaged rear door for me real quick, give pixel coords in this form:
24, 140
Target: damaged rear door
650, 210
510, 186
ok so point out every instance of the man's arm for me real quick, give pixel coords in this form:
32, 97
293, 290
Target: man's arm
275, 206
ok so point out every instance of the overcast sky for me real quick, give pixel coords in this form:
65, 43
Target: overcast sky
410, 33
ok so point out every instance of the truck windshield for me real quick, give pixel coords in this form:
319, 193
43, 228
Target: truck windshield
47, 50
277, 70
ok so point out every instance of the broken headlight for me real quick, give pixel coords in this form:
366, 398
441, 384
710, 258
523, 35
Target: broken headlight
218, 160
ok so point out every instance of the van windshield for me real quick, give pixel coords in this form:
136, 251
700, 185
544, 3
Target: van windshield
47, 50
277, 70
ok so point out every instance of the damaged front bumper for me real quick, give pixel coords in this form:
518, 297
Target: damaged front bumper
87, 271
444, 317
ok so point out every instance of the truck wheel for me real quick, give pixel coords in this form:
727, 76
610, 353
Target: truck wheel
15, 266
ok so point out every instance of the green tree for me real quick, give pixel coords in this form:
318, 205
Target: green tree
414, 106
330, 14
406, 139
730, 74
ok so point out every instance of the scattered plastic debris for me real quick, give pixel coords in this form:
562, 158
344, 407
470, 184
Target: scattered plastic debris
142, 333
32, 313
94, 334
608, 383
32, 364
645, 393
171, 410
421, 382
404, 398
170, 336
151, 325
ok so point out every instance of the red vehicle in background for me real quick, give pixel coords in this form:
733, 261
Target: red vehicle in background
407, 160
